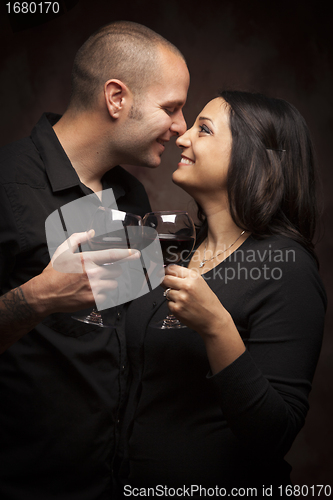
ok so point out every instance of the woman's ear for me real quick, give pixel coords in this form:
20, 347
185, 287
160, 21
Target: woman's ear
117, 97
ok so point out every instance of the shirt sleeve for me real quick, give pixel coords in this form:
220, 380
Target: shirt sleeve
264, 393
9, 239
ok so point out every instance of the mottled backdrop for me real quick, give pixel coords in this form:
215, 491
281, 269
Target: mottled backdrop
282, 48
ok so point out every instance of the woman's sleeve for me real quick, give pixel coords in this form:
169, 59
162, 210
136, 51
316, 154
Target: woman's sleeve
264, 393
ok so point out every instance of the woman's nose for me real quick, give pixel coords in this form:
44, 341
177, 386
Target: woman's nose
184, 141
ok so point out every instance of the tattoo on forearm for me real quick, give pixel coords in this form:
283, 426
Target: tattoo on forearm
14, 309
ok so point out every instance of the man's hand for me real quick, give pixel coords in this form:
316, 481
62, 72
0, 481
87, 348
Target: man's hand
65, 285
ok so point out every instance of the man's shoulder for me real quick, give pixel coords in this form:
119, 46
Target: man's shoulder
15, 149
20, 162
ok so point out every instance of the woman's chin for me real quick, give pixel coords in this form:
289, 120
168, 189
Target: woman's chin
179, 180
184, 185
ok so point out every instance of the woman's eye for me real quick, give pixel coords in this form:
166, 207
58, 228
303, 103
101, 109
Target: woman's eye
204, 128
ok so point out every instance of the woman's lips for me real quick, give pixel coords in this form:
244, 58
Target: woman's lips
186, 161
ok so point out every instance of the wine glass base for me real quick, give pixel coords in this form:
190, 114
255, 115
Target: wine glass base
170, 322
94, 318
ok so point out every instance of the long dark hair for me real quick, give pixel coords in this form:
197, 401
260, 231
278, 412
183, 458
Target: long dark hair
271, 176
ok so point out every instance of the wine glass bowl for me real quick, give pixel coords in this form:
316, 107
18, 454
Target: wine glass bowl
176, 232
113, 229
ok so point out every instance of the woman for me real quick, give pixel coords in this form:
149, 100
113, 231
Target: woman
219, 404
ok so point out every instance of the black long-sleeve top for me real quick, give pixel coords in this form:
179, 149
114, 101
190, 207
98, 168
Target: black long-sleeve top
184, 426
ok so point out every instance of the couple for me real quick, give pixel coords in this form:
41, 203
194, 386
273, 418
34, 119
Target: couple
216, 404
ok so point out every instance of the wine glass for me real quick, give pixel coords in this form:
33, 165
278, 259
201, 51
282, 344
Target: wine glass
176, 232
113, 229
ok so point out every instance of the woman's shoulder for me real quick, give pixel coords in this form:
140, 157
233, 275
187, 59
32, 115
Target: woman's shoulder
287, 263
277, 248
275, 240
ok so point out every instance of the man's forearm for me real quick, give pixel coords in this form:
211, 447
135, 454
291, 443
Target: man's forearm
17, 317
67, 290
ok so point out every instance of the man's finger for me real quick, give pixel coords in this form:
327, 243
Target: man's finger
72, 243
105, 272
101, 257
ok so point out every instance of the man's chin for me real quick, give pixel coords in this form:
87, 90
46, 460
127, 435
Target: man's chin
154, 163
148, 163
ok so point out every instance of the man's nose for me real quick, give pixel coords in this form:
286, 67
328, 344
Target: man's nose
178, 126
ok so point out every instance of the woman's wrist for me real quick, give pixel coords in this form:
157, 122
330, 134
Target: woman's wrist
216, 324
223, 343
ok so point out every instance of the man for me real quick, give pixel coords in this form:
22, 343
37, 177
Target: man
62, 382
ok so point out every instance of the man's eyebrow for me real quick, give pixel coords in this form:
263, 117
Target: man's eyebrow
205, 118
174, 103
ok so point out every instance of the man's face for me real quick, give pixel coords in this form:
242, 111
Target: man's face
156, 114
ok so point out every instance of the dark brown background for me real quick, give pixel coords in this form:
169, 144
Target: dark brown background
283, 49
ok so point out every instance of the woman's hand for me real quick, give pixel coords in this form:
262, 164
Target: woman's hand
193, 302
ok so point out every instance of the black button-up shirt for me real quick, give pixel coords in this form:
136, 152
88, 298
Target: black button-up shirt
62, 385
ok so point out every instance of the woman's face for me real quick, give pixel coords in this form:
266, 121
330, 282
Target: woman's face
206, 149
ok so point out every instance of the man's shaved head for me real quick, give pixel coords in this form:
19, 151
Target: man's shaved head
120, 50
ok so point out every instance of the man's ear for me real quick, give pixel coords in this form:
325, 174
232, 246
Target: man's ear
117, 97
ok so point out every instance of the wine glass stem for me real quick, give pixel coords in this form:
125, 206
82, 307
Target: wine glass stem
170, 321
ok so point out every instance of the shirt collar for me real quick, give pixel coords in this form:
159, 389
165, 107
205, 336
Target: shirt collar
59, 169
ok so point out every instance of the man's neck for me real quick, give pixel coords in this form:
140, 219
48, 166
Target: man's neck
81, 137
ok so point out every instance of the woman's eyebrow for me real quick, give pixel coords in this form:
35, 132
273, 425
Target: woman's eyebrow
205, 118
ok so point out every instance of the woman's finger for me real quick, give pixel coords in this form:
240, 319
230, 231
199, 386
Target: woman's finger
180, 283
173, 282
181, 272
174, 270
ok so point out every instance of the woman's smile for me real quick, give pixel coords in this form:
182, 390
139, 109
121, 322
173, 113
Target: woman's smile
207, 144
185, 160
